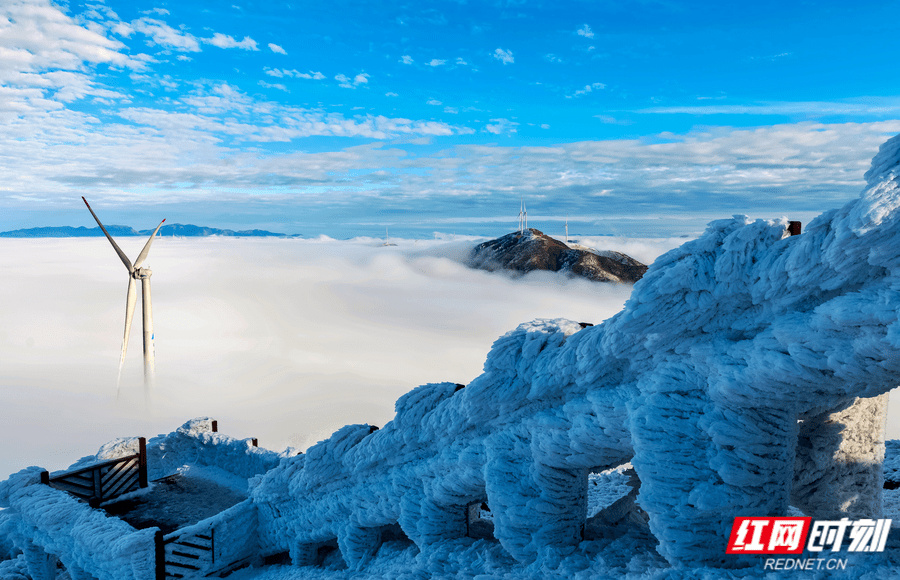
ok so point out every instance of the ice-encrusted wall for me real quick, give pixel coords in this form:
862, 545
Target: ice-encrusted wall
748, 371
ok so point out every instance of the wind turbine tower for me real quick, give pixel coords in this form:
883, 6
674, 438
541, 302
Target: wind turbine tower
136, 272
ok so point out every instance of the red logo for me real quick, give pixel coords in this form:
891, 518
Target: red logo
768, 535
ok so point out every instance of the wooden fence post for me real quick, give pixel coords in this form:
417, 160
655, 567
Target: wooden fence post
45, 477
215, 426
142, 462
160, 555
254, 442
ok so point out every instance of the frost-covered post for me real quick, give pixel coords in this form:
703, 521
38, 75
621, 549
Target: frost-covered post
142, 462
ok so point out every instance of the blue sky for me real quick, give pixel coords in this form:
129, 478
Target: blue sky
633, 118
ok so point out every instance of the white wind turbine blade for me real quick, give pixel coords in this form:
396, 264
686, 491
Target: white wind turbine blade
146, 250
129, 315
119, 251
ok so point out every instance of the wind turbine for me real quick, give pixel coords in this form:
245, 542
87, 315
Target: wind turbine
521, 208
135, 272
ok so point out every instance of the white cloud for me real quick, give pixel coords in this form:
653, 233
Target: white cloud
451, 110
434, 102
436, 62
610, 120
122, 29
281, 73
804, 109
545, 126
586, 31
552, 58
589, 88
501, 126
278, 86
460, 61
45, 59
184, 58
504, 56
276, 48
225, 41
406, 59
345, 81
161, 34
391, 94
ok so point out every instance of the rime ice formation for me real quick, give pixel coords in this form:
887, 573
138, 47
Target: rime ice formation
747, 372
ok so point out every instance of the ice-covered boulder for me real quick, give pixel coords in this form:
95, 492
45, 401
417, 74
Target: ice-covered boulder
747, 372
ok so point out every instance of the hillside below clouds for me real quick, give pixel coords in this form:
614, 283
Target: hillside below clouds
534, 250
187, 230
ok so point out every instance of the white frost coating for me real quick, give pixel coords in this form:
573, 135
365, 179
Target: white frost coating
193, 444
51, 524
700, 381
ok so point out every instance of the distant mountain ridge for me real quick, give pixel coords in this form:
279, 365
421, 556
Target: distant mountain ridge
533, 250
187, 230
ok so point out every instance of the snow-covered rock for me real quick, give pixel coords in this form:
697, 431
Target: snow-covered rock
531, 249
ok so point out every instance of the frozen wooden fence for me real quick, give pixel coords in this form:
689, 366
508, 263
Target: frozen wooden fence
104, 481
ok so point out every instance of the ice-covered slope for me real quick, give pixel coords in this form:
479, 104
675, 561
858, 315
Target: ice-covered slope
724, 344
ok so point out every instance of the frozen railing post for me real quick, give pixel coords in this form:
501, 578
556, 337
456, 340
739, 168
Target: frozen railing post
215, 426
160, 545
142, 462
794, 228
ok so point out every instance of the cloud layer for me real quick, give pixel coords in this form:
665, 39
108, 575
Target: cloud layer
283, 340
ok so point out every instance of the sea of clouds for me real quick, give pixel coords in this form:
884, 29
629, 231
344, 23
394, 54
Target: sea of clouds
283, 340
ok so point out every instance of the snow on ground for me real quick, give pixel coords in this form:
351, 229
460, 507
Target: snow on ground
175, 502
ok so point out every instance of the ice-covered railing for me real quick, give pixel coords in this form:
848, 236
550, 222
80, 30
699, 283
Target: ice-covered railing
747, 372
49, 524
213, 545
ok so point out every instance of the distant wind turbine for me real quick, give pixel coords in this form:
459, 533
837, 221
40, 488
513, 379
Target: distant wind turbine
523, 217
135, 272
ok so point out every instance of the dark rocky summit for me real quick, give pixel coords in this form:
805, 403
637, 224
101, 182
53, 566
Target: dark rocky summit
533, 250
